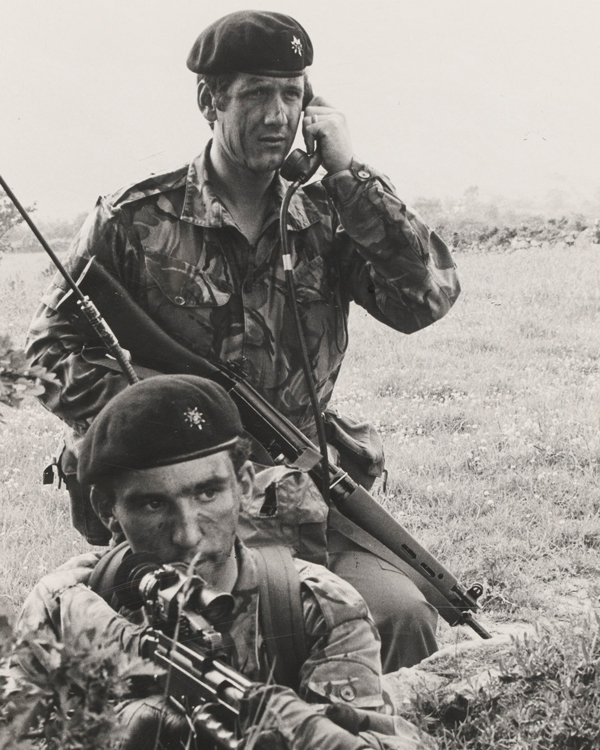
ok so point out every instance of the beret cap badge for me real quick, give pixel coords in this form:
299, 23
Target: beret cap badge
297, 45
195, 418
162, 420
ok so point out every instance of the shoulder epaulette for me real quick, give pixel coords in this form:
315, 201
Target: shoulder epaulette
155, 184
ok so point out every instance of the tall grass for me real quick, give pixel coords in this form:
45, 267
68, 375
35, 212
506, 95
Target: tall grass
35, 528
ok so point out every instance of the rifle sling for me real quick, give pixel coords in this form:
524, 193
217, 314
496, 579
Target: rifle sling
363, 539
281, 613
103, 576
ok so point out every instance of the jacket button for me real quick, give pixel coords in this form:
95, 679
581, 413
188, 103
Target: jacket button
363, 174
179, 300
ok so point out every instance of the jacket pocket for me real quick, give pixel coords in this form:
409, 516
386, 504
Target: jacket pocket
286, 508
185, 285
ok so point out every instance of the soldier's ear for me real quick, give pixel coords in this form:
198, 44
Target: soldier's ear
245, 478
207, 102
103, 504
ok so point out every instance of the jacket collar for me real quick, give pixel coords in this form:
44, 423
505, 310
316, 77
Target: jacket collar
204, 208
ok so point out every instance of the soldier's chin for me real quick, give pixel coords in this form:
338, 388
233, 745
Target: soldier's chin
267, 164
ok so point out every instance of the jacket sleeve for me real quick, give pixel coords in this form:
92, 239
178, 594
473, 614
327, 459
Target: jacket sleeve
397, 268
288, 723
41, 610
61, 607
343, 664
343, 667
57, 345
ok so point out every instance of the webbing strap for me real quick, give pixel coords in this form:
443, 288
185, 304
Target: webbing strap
102, 580
281, 614
361, 537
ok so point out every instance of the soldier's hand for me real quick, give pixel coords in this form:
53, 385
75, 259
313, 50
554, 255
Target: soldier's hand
282, 720
328, 126
141, 720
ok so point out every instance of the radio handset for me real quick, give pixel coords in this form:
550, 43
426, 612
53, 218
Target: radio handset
299, 165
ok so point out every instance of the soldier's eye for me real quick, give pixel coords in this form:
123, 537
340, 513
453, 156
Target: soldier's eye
257, 94
153, 504
208, 494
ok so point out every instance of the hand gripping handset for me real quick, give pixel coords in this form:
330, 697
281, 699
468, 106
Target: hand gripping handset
299, 165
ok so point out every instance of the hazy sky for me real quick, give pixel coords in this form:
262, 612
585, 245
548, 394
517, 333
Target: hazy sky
440, 94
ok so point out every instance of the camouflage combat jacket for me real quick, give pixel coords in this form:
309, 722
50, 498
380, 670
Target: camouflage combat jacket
173, 244
342, 642
342, 666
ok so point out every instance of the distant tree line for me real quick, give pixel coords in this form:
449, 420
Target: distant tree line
468, 223
15, 235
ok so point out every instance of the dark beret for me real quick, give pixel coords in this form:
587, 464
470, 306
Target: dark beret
163, 420
252, 41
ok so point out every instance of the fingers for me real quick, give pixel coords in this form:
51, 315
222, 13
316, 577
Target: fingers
323, 117
310, 142
312, 119
310, 110
324, 126
329, 128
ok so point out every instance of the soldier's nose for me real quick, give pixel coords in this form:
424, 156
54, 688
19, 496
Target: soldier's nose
187, 529
276, 113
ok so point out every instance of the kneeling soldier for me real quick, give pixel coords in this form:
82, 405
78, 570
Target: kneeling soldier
167, 468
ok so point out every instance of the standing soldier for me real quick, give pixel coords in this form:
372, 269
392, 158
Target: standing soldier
199, 249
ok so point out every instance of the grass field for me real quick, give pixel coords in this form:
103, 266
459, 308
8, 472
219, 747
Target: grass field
490, 419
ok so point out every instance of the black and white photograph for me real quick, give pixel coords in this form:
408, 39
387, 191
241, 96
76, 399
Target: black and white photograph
299, 375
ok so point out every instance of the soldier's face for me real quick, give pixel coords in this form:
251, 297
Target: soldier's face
258, 125
178, 512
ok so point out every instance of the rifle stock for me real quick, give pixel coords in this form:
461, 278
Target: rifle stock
151, 347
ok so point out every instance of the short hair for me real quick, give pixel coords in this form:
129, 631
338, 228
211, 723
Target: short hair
218, 85
239, 454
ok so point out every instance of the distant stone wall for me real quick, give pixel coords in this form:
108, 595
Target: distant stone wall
474, 238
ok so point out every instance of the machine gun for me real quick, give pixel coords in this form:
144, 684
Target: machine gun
184, 643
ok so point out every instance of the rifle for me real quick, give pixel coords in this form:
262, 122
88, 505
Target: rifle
184, 643
352, 507
126, 330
